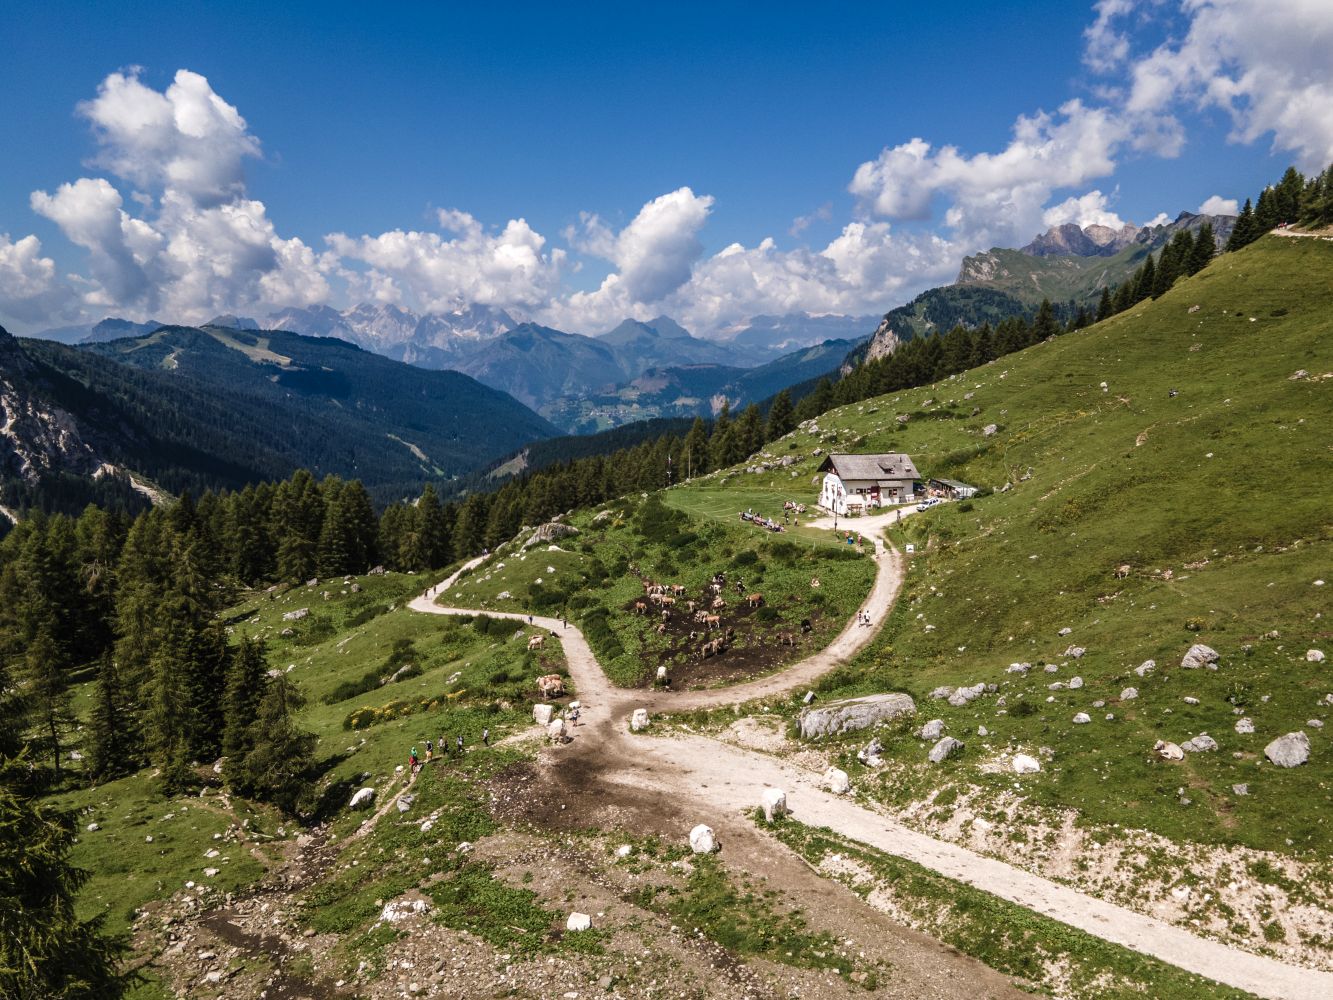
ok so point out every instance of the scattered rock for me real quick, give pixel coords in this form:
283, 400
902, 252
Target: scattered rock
982, 731
854, 713
774, 803
624, 851
932, 730
1245, 726
1082, 718
1129, 694
1145, 668
297, 615
1025, 764
542, 714
989, 429
1065, 631
1203, 743
1198, 656
944, 749
964, 695
404, 802
92, 828
578, 922
1314, 656
1168, 751
1241, 789
639, 720
401, 909
363, 798
1315, 723
702, 840
809, 697
1291, 750
1018, 668
836, 781
1075, 683
555, 730
1075, 652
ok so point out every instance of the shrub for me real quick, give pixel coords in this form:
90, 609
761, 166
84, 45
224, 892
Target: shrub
366, 614
748, 557
766, 614
1194, 624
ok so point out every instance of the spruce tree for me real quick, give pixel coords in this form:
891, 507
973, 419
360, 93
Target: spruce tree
434, 527
1145, 280
112, 730
279, 755
1045, 324
1245, 231
750, 431
247, 674
780, 417
1205, 247
694, 450
1104, 307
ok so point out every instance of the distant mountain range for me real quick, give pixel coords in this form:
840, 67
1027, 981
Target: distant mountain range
1067, 264
189, 408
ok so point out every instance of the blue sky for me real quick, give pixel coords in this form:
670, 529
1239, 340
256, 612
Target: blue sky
649, 153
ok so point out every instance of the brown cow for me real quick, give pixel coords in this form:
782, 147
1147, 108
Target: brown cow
1122, 571
786, 639
712, 621
640, 607
755, 600
668, 601
537, 642
718, 604
691, 605
661, 629
550, 686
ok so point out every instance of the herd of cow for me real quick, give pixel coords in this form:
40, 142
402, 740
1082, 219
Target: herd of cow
705, 611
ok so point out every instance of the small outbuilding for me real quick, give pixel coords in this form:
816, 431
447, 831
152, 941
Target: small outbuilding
857, 483
950, 489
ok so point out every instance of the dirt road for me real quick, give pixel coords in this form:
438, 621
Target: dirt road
716, 778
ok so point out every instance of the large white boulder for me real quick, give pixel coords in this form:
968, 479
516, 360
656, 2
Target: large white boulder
555, 730
578, 922
836, 781
855, 713
1168, 751
933, 729
702, 840
639, 720
1025, 764
1291, 750
1314, 656
1198, 656
402, 909
541, 714
362, 798
774, 802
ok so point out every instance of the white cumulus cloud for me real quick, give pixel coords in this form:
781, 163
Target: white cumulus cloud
1091, 209
29, 289
1217, 205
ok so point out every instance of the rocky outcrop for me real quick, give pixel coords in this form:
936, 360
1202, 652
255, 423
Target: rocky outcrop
1198, 656
944, 749
549, 532
884, 341
1070, 240
855, 713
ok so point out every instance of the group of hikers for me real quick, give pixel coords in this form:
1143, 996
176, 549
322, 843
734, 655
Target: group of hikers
765, 522
415, 760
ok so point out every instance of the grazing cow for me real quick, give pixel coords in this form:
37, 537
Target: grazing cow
786, 639
550, 686
755, 600
1122, 571
699, 616
668, 601
805, 625
691, 605
661, 629
678, 589
814, 583
537, 642
715, 587
712, 621
640, 607
718, 604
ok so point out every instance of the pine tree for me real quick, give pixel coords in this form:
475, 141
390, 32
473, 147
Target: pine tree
1245, 230
470, 528
1145, 280
1104, 307
780, 417
46, 951
694, 451
279, 756
435, 527
750, 431
246, 676
1045, 324
1124, 297
1265, 212
113, 735
1205, 247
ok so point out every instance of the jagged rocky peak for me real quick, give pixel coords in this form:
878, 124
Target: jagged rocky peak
884, 341
1072, 240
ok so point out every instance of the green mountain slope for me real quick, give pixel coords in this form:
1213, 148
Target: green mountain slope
1175, 439
188, 408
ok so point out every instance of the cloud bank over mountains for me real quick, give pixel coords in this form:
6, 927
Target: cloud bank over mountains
169, 229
